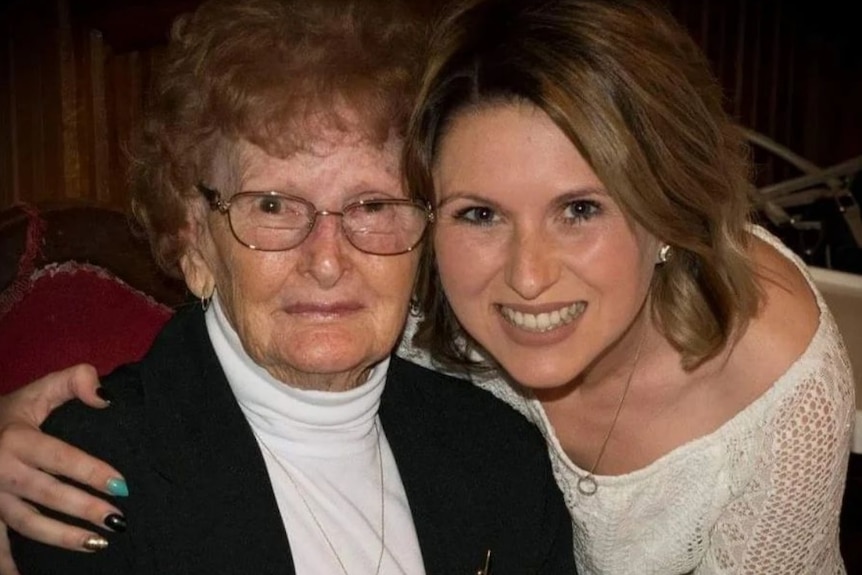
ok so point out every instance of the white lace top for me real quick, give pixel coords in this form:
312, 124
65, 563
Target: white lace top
762, 494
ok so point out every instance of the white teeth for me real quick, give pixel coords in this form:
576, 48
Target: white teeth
545, 321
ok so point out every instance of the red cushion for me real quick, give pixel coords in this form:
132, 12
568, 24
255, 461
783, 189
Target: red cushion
73, 313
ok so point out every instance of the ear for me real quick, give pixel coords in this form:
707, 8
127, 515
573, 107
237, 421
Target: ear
196, 268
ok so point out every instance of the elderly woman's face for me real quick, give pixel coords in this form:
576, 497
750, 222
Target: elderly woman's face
319, 315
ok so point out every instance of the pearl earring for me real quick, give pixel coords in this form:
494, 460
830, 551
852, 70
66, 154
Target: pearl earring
664, 253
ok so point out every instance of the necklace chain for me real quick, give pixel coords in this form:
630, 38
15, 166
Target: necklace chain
313, 515
587, 484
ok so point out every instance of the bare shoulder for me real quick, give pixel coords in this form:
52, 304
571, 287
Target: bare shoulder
771, 344
786, 322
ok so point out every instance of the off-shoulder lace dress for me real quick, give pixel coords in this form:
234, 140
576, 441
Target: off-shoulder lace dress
761, 495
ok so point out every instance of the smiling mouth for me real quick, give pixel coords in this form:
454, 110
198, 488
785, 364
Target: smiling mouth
545, 321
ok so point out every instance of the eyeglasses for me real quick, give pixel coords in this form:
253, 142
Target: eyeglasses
274, 222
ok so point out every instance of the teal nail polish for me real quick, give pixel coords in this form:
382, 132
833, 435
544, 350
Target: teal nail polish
118, 487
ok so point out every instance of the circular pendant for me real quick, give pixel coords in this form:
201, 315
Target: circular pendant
587, 485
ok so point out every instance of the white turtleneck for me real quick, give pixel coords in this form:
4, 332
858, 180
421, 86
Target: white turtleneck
321, 452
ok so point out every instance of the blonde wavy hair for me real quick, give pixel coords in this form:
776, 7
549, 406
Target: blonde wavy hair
634, 94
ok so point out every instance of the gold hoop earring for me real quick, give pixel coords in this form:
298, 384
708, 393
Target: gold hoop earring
207, 300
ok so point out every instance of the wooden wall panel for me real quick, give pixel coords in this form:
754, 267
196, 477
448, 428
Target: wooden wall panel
69, 107
98, 129
8, 156
74, 176
33, 104
76, 71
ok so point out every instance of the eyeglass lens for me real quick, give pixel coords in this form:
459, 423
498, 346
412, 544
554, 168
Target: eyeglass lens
272, 222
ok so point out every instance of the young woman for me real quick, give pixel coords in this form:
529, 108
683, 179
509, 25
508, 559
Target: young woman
593, 243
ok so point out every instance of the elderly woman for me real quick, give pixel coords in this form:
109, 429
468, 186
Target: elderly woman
268, 430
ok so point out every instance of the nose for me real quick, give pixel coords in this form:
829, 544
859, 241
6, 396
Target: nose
324, 251
532, 265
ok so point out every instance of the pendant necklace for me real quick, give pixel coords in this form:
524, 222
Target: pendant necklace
586, 484
313, 515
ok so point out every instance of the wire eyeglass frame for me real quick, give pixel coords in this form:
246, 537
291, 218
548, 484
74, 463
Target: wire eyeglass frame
309, 214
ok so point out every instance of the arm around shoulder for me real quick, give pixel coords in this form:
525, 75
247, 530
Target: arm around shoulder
101, 433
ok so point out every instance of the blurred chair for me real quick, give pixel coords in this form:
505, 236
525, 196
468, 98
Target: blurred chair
817, 213
76, 285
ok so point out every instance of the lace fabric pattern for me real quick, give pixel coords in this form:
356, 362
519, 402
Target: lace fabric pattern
761, 494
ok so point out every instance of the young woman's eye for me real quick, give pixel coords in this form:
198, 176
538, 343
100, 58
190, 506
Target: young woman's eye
481, 215
582, 210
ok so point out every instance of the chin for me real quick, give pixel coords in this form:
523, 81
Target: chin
322, 349
531, 378
331, 361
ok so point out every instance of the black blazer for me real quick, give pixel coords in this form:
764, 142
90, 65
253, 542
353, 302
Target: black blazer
476, 473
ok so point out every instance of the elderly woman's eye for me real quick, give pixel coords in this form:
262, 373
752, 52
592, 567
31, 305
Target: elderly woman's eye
582, 210
480, 215
372, 207
270, 204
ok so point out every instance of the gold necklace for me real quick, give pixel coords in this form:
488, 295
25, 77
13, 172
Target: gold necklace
587, 483
313, 515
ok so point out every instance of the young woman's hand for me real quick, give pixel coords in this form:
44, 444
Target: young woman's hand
29, 459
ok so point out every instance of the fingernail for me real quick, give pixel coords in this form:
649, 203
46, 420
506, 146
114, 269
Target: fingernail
117, 486
104, 395
115, 522
95, 543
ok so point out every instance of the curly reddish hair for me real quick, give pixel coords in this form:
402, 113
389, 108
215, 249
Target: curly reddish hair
273, 73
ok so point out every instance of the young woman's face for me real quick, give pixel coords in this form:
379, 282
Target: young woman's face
538, 262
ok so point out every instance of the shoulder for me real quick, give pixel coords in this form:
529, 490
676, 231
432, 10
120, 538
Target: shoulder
101, 432
775, 339
135, 389
460, 409
785, 287
457, 447
125, 386
459, 396
786, 322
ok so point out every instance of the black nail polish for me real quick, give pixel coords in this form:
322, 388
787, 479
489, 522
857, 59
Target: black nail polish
115, 522
104, 394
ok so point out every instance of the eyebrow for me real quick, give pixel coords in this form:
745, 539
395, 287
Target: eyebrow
585, 191
568, 194
387, 185
466, 197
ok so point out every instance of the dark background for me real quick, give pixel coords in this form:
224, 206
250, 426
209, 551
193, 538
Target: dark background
73, 75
